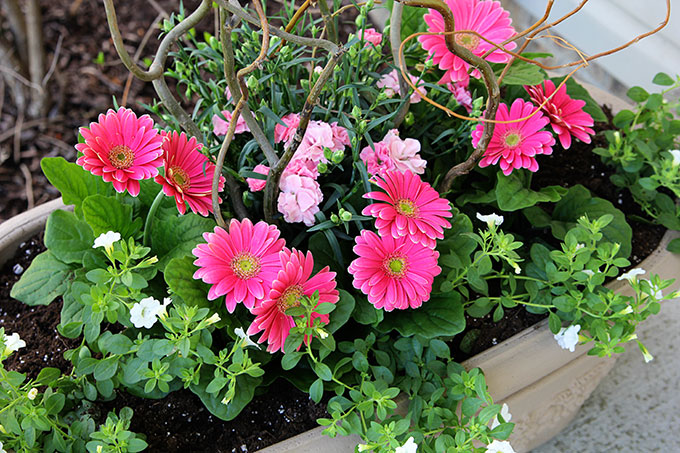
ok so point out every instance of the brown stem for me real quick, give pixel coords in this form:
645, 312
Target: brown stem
157, 67
271, 190
15, 17
176, 110
36, 59
489, 81
398, 55
328, 21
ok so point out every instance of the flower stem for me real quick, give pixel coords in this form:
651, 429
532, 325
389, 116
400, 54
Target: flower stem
149, 218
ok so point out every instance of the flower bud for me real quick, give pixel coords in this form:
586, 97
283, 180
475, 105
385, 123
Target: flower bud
252, 83
322, 167
409, 119
335, 218
213, 319
327, 153
356, 112
346, 216
32, 394
337, 156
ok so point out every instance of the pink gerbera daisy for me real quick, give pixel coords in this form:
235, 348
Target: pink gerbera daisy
393, 272
292, 282
487, 18
566, 115
516, 144
410, 207
240, 264
188, 174
122, 149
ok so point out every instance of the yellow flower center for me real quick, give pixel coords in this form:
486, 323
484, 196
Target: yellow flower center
290, 298
121, 157
512, 139
395, 266
245, 265
180, 177
407, 208
467, 40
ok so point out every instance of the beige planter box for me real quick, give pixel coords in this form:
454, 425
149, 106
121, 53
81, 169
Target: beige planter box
543, 384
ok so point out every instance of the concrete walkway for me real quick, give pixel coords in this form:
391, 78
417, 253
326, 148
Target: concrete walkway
637, 407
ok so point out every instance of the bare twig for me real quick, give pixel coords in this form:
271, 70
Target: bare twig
29, 185
176, 110
157, 67
398, 55
15, 17
53, 64
271, 189
328, 21
36, 59
17, 137
138, 54
27, 125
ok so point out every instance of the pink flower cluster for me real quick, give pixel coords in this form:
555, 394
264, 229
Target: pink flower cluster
250, 264
221, 126
300, 194
390, 82
371, 36
397, 266
124, 149
516, 144
393, 153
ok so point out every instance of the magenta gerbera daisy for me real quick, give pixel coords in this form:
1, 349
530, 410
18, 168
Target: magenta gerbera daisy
122, 149
516, 144
240, 264
566, 115
188, 174
293, 281
393, 273
487, 18
409, 207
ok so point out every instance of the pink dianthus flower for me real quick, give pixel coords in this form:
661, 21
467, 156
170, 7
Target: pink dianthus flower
390, 82
340, 137
462, 94
488, 18
515, 145
188, 174
293, 281
220, 126
240, 264
371, 36
286, 133
566, 115
393, 272
299, 198
254, 184
409, 207
393, 153
122, 149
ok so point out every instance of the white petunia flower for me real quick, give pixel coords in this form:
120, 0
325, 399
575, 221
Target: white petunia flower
13, 342
505, 413
106, 240
632, 274
588, 272
145, 312
244, 336
656, 291
491, 219
499, 446
579, 246
32, 394
676, 156
213, 319
567, 337
409, 447
2, 450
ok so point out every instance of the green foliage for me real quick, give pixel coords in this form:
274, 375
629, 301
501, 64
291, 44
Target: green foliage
74, 183
44, 280
443, 317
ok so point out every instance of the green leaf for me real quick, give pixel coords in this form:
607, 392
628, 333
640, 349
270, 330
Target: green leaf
176, 237
245, 389
512, 193
179, 277
343, 310
136, 444
116, 344
365, 312
663, 79
623, 118
323, 371
316, 390
674, 246
554, 322
216, 384
290, 359
68, 237
638, 94
441, 315
106, 368
579, 202
523, 73
74, 183
55, 403
48, 375
44, 280
105, 214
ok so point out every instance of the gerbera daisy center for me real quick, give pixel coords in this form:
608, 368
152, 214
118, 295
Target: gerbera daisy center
245, 265
512, 139
467, 40
180, 177
290, 298
121, 157
395, 266
407, 208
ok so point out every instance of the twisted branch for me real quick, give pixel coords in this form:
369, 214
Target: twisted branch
398, 55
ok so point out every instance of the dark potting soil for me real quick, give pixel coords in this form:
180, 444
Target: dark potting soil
177, 423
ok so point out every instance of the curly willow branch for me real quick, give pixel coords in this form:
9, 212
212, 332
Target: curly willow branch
242, 102
489, 81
